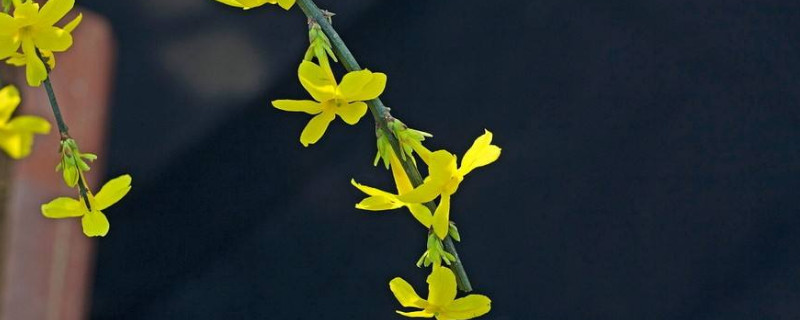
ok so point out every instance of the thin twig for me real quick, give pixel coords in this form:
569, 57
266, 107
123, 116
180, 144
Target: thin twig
382, 117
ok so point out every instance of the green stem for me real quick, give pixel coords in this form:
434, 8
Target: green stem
64, 130
381, 114
62, 126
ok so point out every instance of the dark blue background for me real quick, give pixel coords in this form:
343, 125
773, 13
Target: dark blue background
650, 170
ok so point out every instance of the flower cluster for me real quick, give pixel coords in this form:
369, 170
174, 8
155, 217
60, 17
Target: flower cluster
30, 34
399, 147
29, 38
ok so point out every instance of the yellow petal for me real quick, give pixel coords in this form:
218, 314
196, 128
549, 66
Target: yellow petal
441, 286
29, 124
233, 3
54, 10
307, 106
469, 307
52, 38
416, 314
17, 145
352, 112
370, 190
401, 179
8, 46
441, 218
371, 89
480, 154
74, 23
35, 71
112, 192
16, 59
95, 224
316, 128
421, 213
352, 83
9, 100
286, 4
406, 295
379, 203
26, 10
317, 81
442, 166
63, 208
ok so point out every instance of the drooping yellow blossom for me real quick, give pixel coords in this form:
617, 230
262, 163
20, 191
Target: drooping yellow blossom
93, 220
441, 302
380, 200
249, 4
16, 135
345, 100
31, 28
445, 177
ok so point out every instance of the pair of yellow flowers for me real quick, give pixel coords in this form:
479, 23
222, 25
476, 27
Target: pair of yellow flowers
31, 30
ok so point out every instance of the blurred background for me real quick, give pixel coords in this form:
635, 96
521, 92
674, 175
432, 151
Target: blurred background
650, 167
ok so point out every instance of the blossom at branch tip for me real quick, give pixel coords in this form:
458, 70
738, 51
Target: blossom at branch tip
93, 220
32, 29
16, 135
345, 100
444, 178
249, 4
380, 200
441, 302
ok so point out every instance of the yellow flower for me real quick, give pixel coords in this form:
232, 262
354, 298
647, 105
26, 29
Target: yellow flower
94, 221
444, 177
380, 200
32, 29
249, 4
441, 302
16, 136
344, 100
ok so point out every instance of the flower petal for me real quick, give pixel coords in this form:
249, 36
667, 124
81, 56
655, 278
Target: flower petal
112, 192
406, 295
441, 218
370, 190
63, 208
286, 4
54, 10
441, 286
16, 144
317, 81
233, 3
316, 128
307, 106
29, 124
401, 179
353, 82
480, 154
352, 112
9, 100
35, 71
471, 306
416, 314
441, 165
74, 23
379, 203
52, 38
421, 213
371, 89
95, 224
